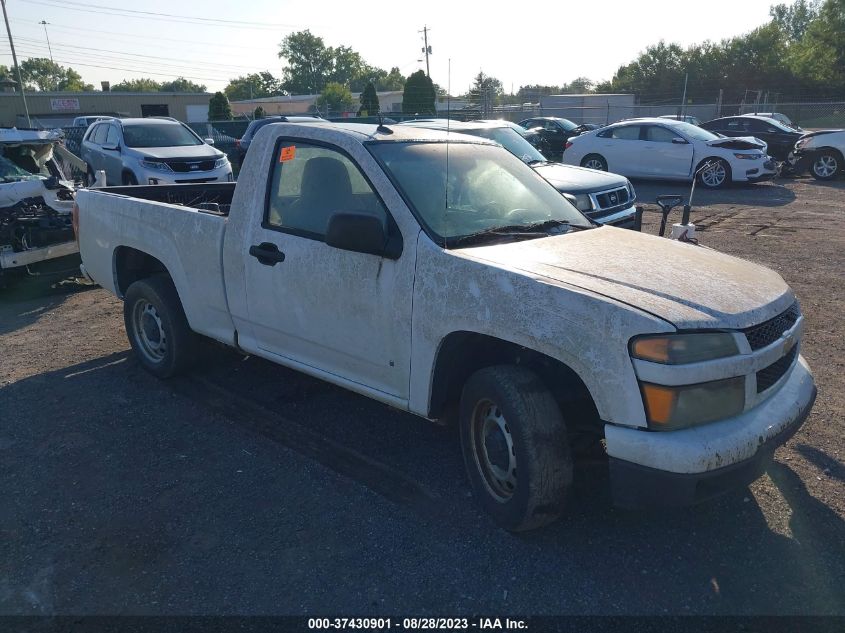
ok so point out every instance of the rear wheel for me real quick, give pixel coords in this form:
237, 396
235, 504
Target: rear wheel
157, 328
594, 161
90, 178
515, 447
826, 165
716, 174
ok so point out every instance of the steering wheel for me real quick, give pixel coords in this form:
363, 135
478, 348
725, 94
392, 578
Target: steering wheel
519, 214
493, 208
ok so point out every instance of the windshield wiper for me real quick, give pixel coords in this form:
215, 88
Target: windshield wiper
528, 231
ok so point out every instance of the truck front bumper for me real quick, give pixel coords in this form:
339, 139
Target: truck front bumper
672, 468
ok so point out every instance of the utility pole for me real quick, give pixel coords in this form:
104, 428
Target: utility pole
15, 60
684, 99
44, 23
426, 50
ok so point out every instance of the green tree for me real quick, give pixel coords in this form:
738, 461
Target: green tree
254, 86
581, 85
419, 95
819, 57
794, 19
137, 85
180, 84
335, 98
73, 82
39, 73
309, 63
393, 80
369, 101
485, 91
535, 91
259, 113
219, 108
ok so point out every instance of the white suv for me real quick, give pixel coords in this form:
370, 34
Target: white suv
152, 151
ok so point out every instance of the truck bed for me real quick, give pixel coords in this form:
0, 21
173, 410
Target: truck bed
213, 197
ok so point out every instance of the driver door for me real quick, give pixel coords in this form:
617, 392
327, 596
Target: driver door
333, 310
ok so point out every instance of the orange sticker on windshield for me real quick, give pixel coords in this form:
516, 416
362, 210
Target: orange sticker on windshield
288, 153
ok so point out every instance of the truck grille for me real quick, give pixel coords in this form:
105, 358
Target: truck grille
612, 198
187, 166
768, 376
759, 336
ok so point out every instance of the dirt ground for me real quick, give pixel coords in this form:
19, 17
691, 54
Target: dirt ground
246, 488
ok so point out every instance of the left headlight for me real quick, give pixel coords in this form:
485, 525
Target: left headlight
679, 349
671, 408
744, 156
221, 162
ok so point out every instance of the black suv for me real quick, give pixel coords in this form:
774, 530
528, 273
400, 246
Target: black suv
780, 138
555, 132
242, 144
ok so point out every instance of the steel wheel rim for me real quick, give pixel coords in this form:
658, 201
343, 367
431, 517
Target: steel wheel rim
148, 331
714, 176
594, 163
825, 166
493, 450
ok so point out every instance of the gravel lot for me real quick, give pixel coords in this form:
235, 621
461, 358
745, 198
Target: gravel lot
247, 488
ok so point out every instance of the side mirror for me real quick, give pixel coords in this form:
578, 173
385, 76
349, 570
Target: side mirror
208, 141
679, 141
361, 233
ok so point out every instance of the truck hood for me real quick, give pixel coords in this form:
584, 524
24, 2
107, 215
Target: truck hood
571, 179
686, 285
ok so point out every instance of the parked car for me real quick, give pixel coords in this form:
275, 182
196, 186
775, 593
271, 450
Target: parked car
151, 151
781, 118
36, 201
779, 138
823, 152
604, 198
85, 121
555, 132
670, 150
242, 144
687, 118
532, 136
475, 293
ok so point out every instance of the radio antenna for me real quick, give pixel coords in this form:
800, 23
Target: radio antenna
448, 133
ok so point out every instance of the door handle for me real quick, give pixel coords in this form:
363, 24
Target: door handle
267, 253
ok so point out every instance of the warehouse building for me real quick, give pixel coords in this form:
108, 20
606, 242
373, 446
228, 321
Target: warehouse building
58, 109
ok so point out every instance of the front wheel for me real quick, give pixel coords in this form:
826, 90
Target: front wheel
826, 165
594, 161
515, 447
157, 328
715, 174
129, 178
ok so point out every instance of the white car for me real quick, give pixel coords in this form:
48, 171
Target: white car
671, 150
825, 152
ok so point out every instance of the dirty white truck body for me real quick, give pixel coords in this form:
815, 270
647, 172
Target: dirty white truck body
407, 329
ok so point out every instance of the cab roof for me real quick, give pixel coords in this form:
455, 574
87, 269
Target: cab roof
371, 132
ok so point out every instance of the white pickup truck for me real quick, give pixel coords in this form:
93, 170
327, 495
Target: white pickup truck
441, 275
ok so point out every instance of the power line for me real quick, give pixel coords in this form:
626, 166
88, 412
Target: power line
150, 15
61, 45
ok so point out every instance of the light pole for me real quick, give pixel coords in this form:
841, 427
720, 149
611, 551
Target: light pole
44, 23
15, 60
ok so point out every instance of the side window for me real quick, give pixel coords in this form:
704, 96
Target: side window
112, 137
658, 134
310, 183
99, 134
626, 132
734, 125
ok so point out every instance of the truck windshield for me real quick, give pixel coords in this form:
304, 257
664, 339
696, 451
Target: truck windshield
511, 141
482, 188
158, 135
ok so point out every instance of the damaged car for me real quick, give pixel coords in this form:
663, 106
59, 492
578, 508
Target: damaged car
671, 150
36, 201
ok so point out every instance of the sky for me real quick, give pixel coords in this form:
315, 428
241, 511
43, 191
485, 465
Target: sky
212, 41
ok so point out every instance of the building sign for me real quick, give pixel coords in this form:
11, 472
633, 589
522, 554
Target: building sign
64, 105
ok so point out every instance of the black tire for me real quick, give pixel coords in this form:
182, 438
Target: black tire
89, 176
129, 178
716, 177
157, 328
535, 443
594, 161
826, 164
